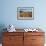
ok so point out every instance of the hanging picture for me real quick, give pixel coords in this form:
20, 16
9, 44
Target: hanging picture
25, 13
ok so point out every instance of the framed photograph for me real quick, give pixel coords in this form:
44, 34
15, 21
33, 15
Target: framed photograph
25, 13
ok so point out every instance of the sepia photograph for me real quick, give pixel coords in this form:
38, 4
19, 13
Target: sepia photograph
25, 13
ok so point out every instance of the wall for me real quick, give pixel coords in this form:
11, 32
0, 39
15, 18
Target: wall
8, 13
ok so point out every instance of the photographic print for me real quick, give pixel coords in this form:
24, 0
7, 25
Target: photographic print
25, 13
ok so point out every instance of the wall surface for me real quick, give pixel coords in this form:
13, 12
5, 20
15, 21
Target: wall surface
8, 13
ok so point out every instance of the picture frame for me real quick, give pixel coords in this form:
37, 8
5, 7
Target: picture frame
25, 13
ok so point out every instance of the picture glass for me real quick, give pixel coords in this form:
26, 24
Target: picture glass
25, 13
